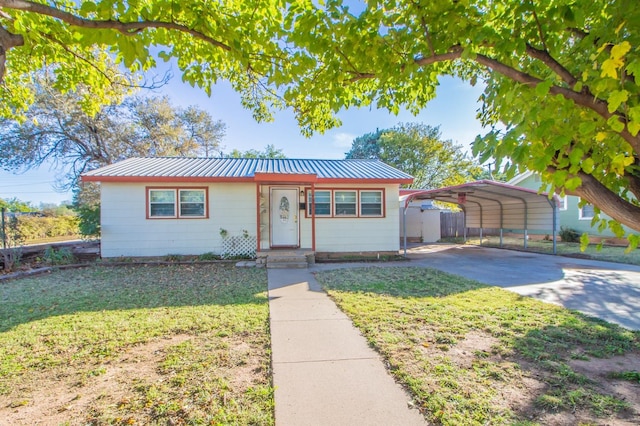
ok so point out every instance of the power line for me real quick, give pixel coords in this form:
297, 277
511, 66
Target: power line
26, 184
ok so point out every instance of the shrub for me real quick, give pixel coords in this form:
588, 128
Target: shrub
62, 256
39, 227
569, 235
89, 224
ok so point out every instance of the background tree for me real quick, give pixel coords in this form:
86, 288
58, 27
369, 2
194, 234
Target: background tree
16, 206
418, 149
562, 76
366, 147
269, 151
57, 130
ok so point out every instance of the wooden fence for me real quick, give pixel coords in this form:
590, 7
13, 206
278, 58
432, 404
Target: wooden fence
452, 225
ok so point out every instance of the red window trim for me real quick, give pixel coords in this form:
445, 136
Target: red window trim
358, 215
177, 190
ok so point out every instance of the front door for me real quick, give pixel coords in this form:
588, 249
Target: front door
284, 217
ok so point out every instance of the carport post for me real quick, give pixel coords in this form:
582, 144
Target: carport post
464, 224
404, 227
526, 223
554, 207
555, 223
481, 222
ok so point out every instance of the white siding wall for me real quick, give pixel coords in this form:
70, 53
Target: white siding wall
356, 234
127, 232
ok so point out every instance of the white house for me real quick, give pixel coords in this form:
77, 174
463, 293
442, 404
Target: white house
571, 213
191, 206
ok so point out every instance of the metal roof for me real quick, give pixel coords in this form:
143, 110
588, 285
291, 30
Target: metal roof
244, 169
489, 204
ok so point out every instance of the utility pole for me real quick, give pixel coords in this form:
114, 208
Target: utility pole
4, 230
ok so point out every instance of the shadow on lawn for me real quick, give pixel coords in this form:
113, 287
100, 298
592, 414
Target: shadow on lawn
103, 288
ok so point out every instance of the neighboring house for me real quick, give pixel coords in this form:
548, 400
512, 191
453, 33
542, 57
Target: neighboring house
570, 215
190, 206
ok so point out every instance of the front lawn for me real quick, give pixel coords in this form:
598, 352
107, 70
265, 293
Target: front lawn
136, 345
474, 355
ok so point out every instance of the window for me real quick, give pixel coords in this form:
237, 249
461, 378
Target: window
370, 203
191, 202
341, 203
162, 203
345, 203
177, 203
562, 203
321, 204
586, 212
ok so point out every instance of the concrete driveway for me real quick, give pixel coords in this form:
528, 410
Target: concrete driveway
606, 290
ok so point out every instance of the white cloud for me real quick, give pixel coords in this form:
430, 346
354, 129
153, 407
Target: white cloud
343, 140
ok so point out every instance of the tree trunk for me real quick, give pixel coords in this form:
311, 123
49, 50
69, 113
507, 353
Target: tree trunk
608, 202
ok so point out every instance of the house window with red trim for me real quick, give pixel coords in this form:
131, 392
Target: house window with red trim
177, 203
345, 203
321, 203
370, 203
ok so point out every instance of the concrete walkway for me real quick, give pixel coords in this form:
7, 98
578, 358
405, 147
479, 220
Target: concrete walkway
324, 372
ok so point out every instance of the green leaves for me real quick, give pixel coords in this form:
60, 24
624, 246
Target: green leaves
616, 98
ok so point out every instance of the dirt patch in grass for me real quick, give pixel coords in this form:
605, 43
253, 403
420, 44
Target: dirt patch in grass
608, 374
47, 398
531, 381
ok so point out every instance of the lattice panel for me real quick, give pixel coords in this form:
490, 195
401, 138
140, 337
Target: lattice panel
241, 246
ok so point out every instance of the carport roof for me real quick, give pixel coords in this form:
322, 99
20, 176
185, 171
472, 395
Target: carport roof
489, 204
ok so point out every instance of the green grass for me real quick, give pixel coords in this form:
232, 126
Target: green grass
78, 325
606, 253
420, 320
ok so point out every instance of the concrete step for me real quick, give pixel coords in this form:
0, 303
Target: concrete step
286, 258
287, 265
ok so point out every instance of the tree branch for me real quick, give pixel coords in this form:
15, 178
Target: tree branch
454, 53
539, 26
554, 65
7, 42
583, 99
126, 28
607, 201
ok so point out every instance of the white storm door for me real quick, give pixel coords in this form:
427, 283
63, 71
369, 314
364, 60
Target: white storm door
284, 217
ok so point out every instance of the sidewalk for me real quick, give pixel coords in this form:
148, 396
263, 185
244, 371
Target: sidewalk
324, 372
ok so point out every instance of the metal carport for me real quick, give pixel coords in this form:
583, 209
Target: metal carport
489, 204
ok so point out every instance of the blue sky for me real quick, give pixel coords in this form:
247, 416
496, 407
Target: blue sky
453, 109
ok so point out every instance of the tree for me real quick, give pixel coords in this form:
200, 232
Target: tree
236, 41
561, 75
16, 206
269, 151
366, 147
58, 130
419, 150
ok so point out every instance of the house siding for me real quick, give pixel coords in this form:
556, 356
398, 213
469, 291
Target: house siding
570, 217
126, 231
357, 234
